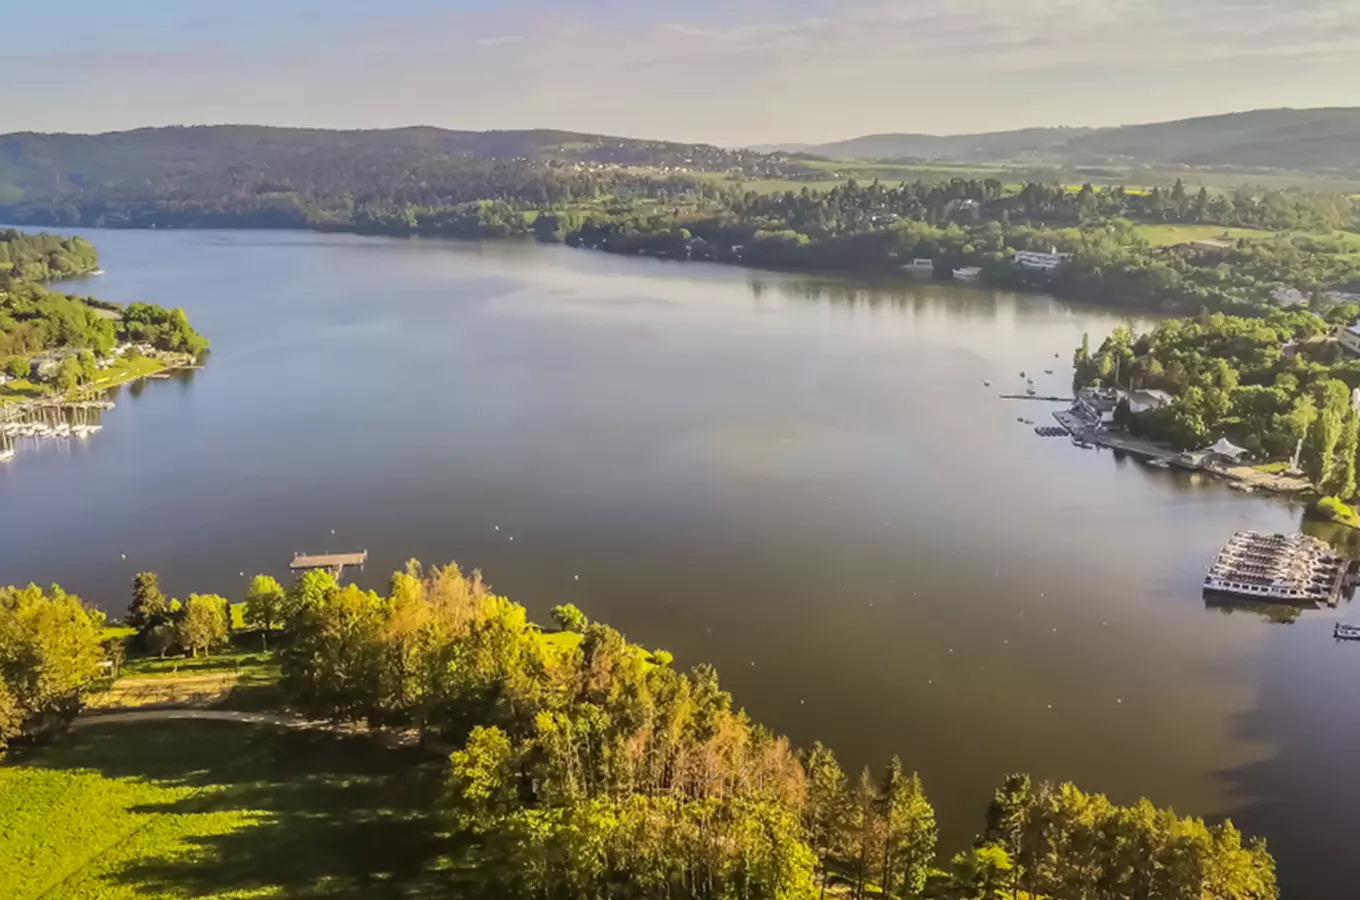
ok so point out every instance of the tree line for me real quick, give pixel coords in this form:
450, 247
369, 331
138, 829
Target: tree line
584, 766
960, 222
43, 257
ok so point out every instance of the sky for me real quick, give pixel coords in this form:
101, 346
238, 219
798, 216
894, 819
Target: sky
734, 73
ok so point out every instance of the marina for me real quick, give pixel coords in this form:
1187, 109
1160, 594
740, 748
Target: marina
1285, 568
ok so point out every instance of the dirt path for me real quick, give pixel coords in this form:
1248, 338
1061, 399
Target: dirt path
129, 716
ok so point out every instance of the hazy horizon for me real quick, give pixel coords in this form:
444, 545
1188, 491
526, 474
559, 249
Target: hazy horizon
735, 74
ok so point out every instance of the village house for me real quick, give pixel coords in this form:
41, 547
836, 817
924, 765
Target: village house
1142, 401
1288, 296
1043, 262
1349, 337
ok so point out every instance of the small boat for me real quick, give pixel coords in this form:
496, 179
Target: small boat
1159, 464
1343, 632
1031, 391
1029, 421
987, 382
1048, 371
1085, 445
1020, 419
1055, 356
97, 272
1022, 374
1239, 486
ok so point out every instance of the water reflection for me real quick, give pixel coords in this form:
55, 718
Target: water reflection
801, 480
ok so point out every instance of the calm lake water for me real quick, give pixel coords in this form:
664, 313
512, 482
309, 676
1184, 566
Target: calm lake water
801, 480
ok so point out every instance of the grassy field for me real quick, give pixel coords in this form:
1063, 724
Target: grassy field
120, 372
1165, 235
219, 810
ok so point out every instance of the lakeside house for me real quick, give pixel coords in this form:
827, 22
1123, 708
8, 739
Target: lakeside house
1041, 262
1098, 404
1146, 400
1225, 450
1288, 296
1348, 336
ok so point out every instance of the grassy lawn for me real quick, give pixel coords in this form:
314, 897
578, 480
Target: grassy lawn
123, 370
142, 666
219, 810
19, 389
1165, 235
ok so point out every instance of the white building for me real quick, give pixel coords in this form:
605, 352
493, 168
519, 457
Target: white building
1349, 338
1044, 262
1146, 400
1288, 296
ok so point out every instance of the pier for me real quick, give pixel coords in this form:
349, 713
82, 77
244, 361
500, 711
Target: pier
1083, 431
334, 563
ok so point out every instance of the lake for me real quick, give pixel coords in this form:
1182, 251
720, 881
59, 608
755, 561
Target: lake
801, 480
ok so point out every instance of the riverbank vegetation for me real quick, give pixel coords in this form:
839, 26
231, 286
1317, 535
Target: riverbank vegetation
577, 769
1271, 384
1247, 242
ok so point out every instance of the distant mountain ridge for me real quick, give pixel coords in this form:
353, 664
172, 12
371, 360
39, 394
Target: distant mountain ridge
1326, 138
33, 163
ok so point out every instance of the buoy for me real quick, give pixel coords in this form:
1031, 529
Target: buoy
512, 537
332, 531
1050, 706
1119, 700
243, 574
498, 528
577, 577
124, 556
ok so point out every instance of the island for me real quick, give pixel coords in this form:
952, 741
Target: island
59, 353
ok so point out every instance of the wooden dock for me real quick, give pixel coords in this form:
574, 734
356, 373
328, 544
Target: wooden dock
335, 563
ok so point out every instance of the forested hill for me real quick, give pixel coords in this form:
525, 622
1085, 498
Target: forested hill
44, 165
1272, 138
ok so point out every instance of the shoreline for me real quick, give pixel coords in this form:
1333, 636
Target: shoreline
886, 272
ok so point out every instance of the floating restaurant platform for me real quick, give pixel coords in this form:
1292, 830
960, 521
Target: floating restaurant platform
1284, 568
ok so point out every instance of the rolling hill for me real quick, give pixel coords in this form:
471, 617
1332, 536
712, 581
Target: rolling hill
1304, 139
33, 164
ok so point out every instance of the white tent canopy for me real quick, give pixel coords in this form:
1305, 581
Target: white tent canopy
1225, 447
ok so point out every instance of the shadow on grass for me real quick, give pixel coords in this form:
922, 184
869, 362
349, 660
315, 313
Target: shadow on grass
294, 813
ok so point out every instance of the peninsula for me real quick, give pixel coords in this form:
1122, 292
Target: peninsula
58, 352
